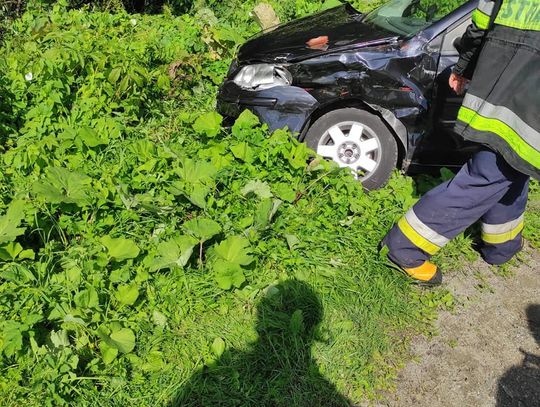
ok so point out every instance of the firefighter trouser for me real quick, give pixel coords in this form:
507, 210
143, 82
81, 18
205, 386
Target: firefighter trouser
486, 188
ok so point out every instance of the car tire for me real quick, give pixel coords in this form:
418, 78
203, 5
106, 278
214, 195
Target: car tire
356, 139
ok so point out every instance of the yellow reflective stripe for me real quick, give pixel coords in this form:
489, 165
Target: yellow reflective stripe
416, 239
424, 230
518, 24
503, 237
480, 123
505, 115
480, 19
520, 14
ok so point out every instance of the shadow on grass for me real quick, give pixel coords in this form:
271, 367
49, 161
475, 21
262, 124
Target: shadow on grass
520, 385
278, 369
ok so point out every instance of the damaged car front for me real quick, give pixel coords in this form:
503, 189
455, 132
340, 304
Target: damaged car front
357, 88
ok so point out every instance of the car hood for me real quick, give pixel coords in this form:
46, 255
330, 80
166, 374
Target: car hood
287, 43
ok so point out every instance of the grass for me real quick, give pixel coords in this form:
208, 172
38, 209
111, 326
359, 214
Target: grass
274, 350
346, 343
320, 321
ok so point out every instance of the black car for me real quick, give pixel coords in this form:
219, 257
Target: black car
369, 91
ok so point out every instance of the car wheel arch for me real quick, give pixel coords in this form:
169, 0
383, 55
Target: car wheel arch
396, 127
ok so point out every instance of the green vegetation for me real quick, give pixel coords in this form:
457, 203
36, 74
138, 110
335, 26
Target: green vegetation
150, 257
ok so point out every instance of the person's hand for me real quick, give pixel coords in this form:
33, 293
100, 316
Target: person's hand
458, 83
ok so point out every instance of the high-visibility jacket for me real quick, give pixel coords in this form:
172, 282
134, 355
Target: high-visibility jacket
501, 107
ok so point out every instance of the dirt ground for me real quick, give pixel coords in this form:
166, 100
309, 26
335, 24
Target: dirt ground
488, 349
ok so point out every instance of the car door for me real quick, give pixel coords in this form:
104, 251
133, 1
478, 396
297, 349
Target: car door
442, 146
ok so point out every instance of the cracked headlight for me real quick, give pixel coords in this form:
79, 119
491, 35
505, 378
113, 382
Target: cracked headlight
262, 76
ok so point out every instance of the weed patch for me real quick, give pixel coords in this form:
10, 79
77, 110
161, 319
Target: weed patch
149, 256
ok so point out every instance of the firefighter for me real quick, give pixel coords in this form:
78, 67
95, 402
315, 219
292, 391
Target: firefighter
500, 51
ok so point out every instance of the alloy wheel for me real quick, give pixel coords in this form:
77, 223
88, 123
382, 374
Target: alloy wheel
353, 145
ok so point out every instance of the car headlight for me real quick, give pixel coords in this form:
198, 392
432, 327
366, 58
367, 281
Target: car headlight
262, 76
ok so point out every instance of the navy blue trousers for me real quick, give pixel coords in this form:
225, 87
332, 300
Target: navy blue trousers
486, 189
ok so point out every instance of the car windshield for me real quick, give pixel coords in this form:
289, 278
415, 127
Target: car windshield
408, 17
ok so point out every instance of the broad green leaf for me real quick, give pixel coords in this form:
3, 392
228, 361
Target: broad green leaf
32, 318
266, 209
228, 34
292, 241
235, 250
221, 161
120, 248
61, 185
120, 275
114, 75
9, 223
228, 274
243, 152
198, 195
27, 254
194, 171
108, 353
159, 319
262, 213
87, 298
12, 337
218, 347
245, 122
127, 293
123, 340
298, 156
259, 188
70, 319
208, 123
124, 83
284, 192
10, 251
17, 273
59, 338
175, 252
202, 228
91, 138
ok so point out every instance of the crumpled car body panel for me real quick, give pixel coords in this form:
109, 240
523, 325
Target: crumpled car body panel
401, 80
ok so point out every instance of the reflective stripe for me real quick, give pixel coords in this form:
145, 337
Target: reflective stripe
503, 227
424, 229
501, 129
482, 15
502, 233
522, 14
480, 19
505, 115
421, 235
486, 6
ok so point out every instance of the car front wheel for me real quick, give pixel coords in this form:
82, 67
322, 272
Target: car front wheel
358, 140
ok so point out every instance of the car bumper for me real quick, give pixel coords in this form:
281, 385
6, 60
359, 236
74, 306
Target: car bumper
278, 107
